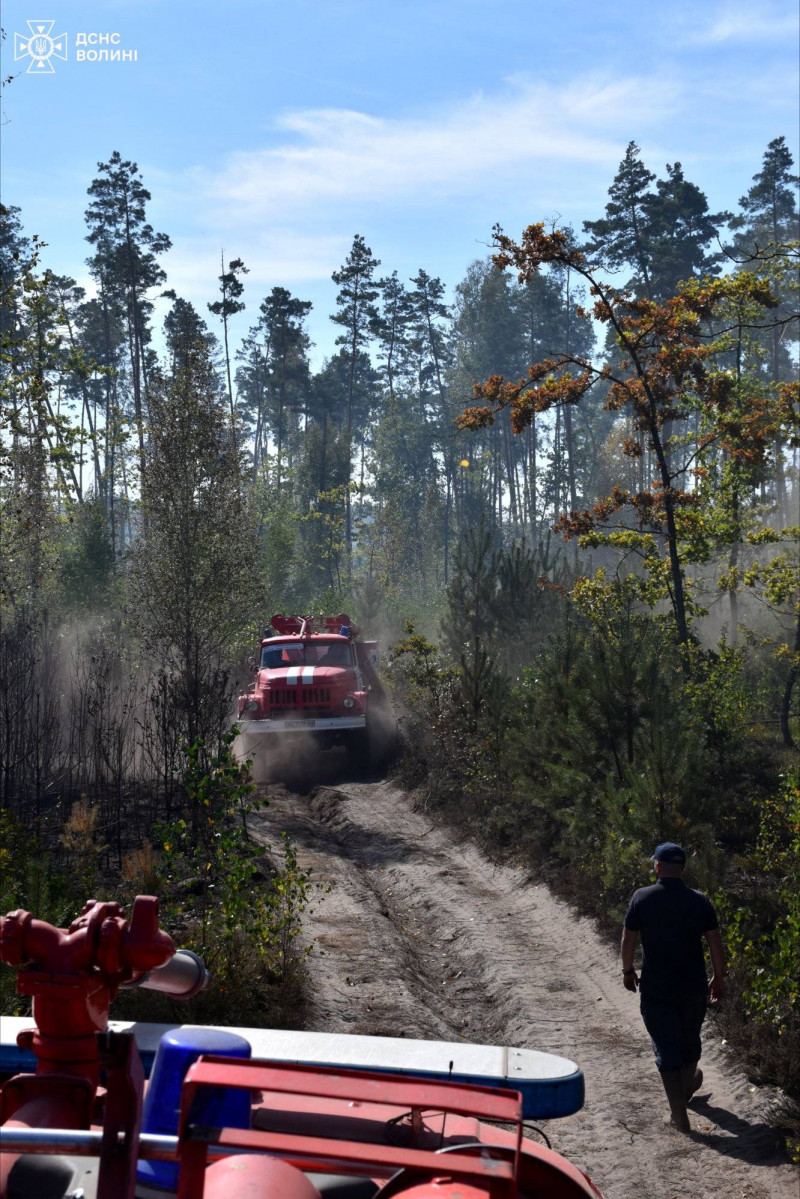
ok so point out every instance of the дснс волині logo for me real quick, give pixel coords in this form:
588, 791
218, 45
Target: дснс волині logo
40, 47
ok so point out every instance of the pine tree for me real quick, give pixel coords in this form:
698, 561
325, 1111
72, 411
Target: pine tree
469, 626
404, 538
184, 331
15, 252
392, 330
769, 213
37, 450
358, 316
328, 398
125, 263
537, 305
231, 289
100, 334
769, 222
189, 578
488, 339
572, 337
662, 235
620, 237
680, 229
79, 368
429, 341
252, 376
282, 320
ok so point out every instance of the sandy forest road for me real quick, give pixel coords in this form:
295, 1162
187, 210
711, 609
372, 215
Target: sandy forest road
427, 938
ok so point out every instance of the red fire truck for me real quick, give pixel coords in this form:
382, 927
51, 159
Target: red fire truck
312, 675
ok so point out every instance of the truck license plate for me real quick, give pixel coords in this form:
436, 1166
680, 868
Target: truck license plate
298, 724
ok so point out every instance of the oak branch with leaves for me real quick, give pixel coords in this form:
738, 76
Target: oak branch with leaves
665, 373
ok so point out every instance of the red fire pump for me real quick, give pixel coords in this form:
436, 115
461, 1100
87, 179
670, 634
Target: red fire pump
72, 975
310, 1131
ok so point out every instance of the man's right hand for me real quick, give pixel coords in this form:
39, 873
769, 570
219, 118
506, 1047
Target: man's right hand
716, 989
630, 981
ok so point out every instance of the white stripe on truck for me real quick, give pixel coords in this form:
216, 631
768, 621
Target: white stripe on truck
308, 674
293, 676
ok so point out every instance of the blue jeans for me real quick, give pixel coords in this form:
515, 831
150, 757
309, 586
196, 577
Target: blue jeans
674, 1025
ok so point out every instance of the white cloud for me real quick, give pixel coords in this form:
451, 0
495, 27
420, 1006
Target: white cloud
753, 23
424, 188
278, 254
334, 158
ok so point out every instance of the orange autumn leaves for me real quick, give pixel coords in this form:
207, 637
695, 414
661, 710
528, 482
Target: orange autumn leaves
542, 390
666, 369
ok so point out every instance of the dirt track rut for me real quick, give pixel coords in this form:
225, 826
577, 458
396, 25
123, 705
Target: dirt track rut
425, 937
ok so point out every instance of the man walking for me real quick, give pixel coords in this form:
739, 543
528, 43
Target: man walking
672, 920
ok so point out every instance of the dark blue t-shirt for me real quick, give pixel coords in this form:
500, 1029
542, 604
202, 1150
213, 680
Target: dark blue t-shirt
671, 919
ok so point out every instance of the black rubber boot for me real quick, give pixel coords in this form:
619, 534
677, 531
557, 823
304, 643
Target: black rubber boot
692, 1080
673, 1085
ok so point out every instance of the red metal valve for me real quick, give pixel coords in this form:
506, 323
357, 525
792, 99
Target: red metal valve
72, 975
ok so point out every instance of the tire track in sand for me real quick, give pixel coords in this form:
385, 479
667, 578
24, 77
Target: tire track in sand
425, 937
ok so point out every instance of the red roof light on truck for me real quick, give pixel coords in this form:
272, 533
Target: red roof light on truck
308, 626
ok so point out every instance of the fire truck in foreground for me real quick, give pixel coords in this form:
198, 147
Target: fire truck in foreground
248, 1113
312, 676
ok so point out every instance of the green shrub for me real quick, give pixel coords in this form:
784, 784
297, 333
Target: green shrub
29, 881
241, 916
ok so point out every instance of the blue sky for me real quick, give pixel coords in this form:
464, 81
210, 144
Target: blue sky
277, 131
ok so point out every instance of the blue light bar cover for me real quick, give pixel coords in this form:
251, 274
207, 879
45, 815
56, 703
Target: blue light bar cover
215, 1106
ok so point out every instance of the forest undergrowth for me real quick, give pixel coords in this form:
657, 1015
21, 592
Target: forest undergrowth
580, 762
235, 903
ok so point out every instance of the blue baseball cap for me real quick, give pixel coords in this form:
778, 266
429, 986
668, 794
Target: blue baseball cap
670, 853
